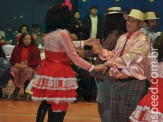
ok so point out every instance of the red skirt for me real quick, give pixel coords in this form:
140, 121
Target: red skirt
55, 82
150, 108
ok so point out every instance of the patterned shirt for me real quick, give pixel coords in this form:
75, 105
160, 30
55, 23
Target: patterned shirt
151, 35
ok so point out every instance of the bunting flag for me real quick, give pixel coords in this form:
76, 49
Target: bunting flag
68, 3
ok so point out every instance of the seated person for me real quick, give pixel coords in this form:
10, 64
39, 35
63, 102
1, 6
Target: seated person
25, 59
4, 70
36, 33
22, 29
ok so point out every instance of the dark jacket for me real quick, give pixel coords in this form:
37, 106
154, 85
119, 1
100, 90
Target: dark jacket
76, 27
2, 53
87, 26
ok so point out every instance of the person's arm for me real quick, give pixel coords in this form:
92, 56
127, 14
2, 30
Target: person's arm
34, 57
2, 53
79, 44
68, 45
132, 62
15, 55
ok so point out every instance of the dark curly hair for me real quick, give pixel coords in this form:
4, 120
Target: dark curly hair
57, 17
23, 36
158, 44
113, 22
22, 27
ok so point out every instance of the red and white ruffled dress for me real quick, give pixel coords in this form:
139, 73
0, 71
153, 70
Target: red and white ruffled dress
150, 108
55, 81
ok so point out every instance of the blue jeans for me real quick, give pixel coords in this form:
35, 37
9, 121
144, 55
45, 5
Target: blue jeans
104, 99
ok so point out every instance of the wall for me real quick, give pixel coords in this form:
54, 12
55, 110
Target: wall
126, 5
14, 13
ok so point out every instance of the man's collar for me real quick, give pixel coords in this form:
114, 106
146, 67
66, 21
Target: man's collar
135, 33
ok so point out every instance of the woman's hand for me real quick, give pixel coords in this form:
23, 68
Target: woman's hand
90, 41
100, 68
17, 65
24, 66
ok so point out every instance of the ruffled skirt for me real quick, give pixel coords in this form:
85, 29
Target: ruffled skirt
54, 82
150, 108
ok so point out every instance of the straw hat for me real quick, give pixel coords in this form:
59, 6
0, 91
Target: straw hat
115, 10
136, 14
150, 16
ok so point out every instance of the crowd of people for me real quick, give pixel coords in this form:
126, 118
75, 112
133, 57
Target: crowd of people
113, 57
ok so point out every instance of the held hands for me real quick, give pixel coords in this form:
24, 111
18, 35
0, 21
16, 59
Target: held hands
96, 47
90, 41
95, 43
20, 66
100, 68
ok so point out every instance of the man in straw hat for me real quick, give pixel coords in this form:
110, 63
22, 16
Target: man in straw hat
151, 20
113, 28
127, 64
114, 10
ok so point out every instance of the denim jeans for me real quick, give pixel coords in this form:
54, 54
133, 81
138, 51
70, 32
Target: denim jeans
104, 99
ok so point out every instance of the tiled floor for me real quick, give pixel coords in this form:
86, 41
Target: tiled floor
25, 111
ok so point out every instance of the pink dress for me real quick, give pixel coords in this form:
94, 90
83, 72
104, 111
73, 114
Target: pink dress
150, 108
55, 81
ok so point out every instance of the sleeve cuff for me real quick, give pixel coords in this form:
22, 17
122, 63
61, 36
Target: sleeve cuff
92, 67
82, 44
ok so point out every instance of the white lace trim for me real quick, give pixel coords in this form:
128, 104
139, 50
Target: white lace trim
79, 44
53, 78
51, 83
148, 114
59, 88
92, 67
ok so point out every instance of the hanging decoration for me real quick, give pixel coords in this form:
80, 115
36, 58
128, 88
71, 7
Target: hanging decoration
151, 1
68, 3
106, 9
130, 8
117, 4
158, 24
146, 8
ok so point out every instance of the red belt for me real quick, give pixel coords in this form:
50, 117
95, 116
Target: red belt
45, 62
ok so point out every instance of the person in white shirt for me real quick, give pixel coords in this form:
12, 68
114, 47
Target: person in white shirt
37, 34
151, 20
92, 23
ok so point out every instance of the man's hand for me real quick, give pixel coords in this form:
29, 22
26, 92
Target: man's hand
96, 47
